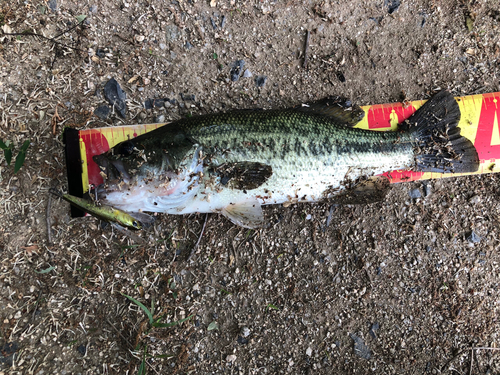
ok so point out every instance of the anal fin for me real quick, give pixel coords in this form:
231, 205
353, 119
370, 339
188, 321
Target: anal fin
371, 190
247, 214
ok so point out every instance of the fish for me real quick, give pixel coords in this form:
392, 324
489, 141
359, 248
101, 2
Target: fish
106, 213
236, 162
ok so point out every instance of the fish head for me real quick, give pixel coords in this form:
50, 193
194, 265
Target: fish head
134, 174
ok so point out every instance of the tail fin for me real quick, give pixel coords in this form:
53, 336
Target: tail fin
438, 143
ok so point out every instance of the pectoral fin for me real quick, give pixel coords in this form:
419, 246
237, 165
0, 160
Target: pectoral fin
371, 190
244, 175
247, 214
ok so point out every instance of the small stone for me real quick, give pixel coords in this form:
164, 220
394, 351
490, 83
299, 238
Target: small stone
236, 70
163, 46
100, 53
360, 349
82, 349
140, 38
231, 358
247, 73
53, 5
102, 112
308, 217
309, 351
116, 96
260, 81
93, 9
188, 97
245, 331
392, 5
158, 103
148, 103
415, 193
242, 340
160, 119
427, 189
188, 45
172, 33
474, 237
7, 352
375, 326
475, 199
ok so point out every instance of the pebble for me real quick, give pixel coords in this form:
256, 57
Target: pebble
116, 96
474, 237
100, 53
102, 112
242, 340
415, 193
172, 33
93, 8
53, 5
163, 46
375, 326
309, 351
260, 81
245, 331
188, 45
236, 70
427, 189
231, 358
160, 119
360, 349
392, 5
247, 73
475, 199
82, 349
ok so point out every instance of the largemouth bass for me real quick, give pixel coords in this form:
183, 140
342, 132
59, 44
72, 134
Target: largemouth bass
233, 163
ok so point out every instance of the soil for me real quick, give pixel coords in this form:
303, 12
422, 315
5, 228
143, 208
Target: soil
407, 286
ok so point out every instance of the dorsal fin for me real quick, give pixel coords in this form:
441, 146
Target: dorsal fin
339, 109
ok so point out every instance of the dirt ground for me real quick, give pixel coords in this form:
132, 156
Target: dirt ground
406, 286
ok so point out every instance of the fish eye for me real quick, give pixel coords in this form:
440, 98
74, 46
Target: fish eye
126, 148
135, 224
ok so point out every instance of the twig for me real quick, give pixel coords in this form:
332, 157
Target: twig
49, 204
472, 354
129, 343
129, 234
471, 360
117, 331
484, 348
306, 49
199, 239
54, 120
46, 38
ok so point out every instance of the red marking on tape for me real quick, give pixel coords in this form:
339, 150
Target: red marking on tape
379, 116
484, 135
95, 144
